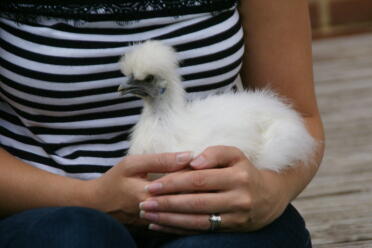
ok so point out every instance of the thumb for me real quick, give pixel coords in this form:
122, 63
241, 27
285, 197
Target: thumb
156, 163
217, 157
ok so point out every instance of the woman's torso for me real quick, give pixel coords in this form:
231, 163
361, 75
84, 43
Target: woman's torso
60, 110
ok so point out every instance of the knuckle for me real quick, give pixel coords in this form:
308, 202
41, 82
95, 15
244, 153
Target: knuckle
242, 221
167, 182
239, 221
238, 154
159, 159
236, 150
243, 177
127, 161
212, 153
165, 203
198, 180
246, 203
214, 149
164, 218
131, 166
243, 204
208, 152
200, 224
163, 161
197, 203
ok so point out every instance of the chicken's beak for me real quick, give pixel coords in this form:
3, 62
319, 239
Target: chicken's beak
134, 87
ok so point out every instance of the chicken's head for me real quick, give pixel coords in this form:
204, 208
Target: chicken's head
151, 69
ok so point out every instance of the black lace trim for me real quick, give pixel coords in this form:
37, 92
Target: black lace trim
110, 10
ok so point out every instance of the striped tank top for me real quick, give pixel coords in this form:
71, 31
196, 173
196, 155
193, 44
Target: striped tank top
59, 106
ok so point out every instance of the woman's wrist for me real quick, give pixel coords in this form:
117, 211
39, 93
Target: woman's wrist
88, 195
276, 186
288, 184
72, 192
277, 195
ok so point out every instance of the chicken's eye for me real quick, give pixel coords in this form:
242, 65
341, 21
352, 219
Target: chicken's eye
149, 78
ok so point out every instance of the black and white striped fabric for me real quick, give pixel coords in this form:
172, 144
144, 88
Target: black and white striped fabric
59, 106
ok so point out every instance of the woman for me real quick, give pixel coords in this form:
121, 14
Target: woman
63, 126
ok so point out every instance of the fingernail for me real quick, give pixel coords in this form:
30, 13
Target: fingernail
154, 187
148, 205
154, 227
198, 162
183, 157
149, 216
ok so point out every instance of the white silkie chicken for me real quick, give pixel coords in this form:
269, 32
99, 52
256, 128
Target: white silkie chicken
266, 129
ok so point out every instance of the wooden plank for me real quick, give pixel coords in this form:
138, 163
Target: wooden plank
339, 218
337, 205
343, 58
359, 244
333, 49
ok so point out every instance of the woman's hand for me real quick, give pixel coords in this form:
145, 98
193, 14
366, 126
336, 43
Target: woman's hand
224, 182
120, 190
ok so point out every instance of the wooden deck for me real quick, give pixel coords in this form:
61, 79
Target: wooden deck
337, 205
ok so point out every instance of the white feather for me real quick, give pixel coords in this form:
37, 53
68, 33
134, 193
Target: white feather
266, 129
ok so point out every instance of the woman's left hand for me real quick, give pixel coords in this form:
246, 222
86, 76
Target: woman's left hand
223, 181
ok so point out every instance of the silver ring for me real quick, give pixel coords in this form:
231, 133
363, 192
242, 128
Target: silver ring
215, 220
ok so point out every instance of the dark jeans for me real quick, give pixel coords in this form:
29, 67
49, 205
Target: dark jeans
82, 227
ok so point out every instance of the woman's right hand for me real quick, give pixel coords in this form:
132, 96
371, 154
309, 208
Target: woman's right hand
120, 190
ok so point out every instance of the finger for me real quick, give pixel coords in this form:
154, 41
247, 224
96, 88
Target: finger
194, 181
179, 221
156, 163
192, 203
195, 222
167, 229
217, 156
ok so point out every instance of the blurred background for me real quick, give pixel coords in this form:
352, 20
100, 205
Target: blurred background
337, 205
340, 17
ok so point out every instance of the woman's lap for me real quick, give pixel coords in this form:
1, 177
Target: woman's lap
288, 231
63, 227
81, 227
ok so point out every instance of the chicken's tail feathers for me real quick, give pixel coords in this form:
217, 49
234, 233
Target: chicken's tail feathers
286, 144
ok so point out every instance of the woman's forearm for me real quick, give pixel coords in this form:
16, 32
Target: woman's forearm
278, 54
293, 181
24, 187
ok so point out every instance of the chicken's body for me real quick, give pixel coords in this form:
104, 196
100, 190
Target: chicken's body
267, 130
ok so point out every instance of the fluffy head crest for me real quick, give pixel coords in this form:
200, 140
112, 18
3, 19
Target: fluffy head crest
150, 58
